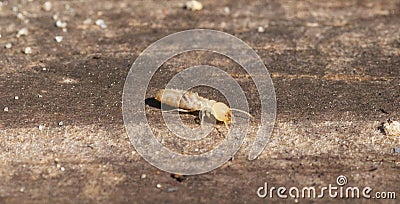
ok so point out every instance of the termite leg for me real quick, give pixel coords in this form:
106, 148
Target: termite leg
179, 110
227, 126
202, 117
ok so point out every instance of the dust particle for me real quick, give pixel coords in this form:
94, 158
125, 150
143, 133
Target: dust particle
41, 127
392, 128
28, 50
47, 6
8, 46
58, 38
61, 24
101, 23
193, 5
22, 32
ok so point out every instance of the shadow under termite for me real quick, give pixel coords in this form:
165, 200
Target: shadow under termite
153, 103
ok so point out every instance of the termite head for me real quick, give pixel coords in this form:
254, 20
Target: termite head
222, 112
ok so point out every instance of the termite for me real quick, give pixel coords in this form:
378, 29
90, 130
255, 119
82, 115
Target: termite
188, 101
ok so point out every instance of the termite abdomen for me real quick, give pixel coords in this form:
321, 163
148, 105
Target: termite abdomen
179, 99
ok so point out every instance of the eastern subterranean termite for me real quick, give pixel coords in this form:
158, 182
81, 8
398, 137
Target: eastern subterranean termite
188, 101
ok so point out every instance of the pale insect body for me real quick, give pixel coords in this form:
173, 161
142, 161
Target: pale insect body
189, 101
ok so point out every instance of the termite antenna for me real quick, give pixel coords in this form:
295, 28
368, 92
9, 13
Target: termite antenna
242, 111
